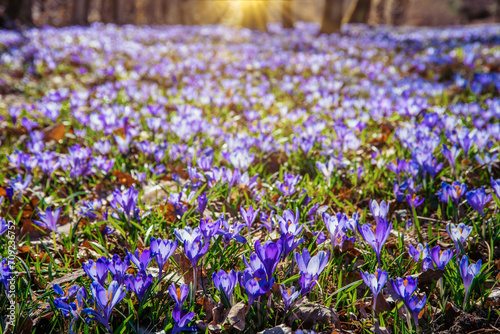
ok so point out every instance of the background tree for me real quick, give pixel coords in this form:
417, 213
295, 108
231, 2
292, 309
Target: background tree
358, 12
378, 13
164, 10
16, 11
332, 17
80, 12
398, 11
287, 14
255, 15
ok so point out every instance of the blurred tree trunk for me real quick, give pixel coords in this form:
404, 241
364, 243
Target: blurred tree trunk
26, 12
255, 15
398, 11
287, 15
183, 12
332, 17
164, 11
107, 11
16, 11
152, 11
378, 14
358, 12
80, 12
119, 11
497, 10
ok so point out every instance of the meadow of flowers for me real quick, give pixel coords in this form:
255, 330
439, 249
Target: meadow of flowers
215, 179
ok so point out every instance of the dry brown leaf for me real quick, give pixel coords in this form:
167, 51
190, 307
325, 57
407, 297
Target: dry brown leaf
54, 132
124, 178
186, 269
236, 317
67, 278
311, 314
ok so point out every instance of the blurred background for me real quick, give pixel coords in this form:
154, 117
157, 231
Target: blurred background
253, 14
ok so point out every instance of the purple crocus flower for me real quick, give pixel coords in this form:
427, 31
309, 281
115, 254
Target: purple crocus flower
287, 187
464, 140
376, 236
47, 163
375, 282
209, 228
306, 282
28, 124
187, 233
225, 282
4, 225
404, 287
414, 201
477, 198
202, 203
255, 284
73, 309
440, 257
5, 273
126, 202
97, 271
312, 265
19, 185
415, 305
432, 167
119, 268
139, 284
255, 265
455, 191
230, 232
141, 259
249, 216
215, 176
123, 143
320, 237
397, 166
451, 155
468, 273
240, 158
205, 161
195, 177
195, 249
104, 147
288, 295
337, 227
181, 319
423, 253
326, 169
231, 177
162, 250
77, 161
105, 301
289, 223
179, 295
267, 221
419, 252
289, 244
269, 254
458, 234
14, 113
379, 211
310, 268
486, 160
495, 184
49, 219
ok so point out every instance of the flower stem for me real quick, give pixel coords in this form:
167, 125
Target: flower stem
54, 241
